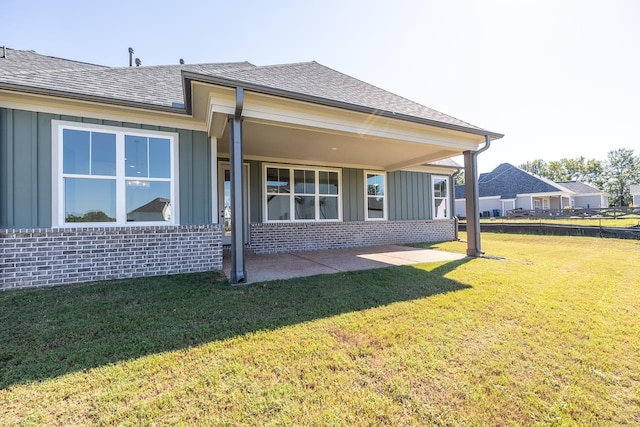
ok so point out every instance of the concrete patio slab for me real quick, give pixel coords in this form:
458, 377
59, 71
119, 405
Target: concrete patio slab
263, 268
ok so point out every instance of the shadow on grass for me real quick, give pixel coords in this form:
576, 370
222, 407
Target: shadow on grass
49, 332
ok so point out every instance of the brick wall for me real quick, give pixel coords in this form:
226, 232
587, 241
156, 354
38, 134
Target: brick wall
43, 257
295, 237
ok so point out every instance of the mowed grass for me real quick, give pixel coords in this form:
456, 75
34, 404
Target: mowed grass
620, 222
548, 336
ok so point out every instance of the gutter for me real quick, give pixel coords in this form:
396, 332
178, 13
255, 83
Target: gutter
189, 76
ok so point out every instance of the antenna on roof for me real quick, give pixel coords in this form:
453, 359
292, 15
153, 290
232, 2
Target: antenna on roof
138, 62
181, 61
131, 57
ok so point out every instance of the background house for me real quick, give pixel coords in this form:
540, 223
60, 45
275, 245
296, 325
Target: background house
133, 171
635, 194
509, 187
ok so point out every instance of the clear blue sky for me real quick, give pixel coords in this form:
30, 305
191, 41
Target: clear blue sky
560, 78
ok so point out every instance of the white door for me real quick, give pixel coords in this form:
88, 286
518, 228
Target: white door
224, 201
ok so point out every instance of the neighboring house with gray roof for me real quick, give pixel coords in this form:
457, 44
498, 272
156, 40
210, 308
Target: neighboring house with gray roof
109, 172
508, 187
635, 194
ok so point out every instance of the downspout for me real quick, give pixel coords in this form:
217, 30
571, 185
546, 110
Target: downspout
474, 247
238, 271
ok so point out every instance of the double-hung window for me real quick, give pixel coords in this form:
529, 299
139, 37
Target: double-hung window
301, 194
375, 198
113, 176
440, 197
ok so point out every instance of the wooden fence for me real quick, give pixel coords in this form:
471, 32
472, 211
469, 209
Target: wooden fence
614, 212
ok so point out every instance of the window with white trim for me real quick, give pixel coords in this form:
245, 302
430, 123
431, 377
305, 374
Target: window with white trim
440, 197
375, 196
113, 176
301, 194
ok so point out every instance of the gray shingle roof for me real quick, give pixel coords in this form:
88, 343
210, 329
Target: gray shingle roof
579, 187
28, 62
161, 86
316, 80
507, 181
153, 86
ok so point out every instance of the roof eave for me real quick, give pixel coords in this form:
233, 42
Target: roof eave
91, 98
189, 76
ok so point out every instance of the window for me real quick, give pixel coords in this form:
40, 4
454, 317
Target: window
375, 196
440, 197
302, 194
113, 176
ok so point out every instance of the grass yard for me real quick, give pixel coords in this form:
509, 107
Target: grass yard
549, 336
622, 222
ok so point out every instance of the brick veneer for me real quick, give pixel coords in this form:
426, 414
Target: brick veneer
295, 237
43, 257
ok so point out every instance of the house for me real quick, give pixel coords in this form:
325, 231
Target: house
635, 194
508, 187
111, 172
158, 209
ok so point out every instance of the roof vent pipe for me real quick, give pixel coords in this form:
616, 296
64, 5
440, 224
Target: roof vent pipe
138, 62
181, 61
4, 51
131, 57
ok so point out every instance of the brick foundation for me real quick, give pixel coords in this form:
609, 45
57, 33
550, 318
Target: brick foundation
296, 237
44, 257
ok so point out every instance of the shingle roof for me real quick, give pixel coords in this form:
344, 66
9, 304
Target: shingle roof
579, 187
507, 181
161, 86
316, 80
154, 206
153, 86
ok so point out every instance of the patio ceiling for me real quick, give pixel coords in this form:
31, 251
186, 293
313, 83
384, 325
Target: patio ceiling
276, 142
286, 130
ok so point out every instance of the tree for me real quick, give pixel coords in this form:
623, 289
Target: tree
578, 169
593, 173
536, 167
622, 168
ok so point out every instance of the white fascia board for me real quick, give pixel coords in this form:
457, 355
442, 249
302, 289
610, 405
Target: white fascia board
299, 114
549, 194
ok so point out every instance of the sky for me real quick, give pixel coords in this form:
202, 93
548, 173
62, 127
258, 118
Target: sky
559, 78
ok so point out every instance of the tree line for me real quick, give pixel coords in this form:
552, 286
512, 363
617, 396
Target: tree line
614, 175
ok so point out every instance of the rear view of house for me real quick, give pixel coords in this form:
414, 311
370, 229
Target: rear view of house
131, 171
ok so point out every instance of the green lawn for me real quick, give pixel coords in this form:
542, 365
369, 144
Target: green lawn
548, 336
623, 222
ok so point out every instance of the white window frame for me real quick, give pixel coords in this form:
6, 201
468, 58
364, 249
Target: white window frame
447, 198
385, 196
58, 196
291, 194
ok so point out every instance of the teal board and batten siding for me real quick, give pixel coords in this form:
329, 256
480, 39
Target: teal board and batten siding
25, 169
409, 195
353, 194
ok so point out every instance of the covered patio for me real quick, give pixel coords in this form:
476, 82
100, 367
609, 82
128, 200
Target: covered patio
267, 267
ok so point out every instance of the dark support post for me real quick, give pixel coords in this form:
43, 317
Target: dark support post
238, 272
472, 198
472, 202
